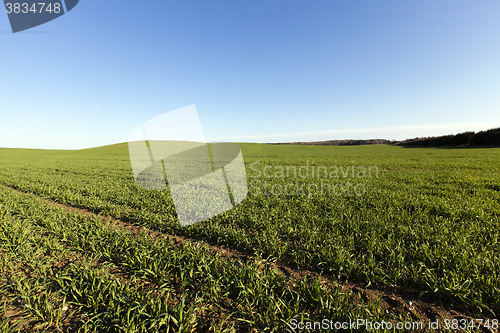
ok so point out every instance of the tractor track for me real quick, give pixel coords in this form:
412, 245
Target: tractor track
420, 306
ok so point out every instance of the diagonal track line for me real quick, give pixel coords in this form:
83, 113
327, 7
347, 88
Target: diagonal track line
392, 299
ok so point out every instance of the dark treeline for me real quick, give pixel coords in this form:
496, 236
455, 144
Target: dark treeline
489, 138
340, 142
484, 139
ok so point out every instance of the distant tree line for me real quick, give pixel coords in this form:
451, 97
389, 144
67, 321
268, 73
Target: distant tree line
487, 138
341, 142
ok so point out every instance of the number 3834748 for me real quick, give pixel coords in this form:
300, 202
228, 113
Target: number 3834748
35, 8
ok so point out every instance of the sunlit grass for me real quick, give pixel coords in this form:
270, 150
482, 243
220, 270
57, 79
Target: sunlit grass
429, 221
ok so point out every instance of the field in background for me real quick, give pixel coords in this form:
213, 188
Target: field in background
427, 222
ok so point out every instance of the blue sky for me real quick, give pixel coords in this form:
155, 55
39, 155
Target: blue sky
257, 71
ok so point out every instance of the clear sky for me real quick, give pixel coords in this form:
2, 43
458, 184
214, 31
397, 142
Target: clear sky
257, 71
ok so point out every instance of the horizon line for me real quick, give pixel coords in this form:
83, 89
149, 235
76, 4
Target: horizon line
456, 128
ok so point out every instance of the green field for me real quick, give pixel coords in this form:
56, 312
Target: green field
424, 221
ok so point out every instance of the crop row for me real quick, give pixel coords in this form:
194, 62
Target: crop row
429, 221
50, 287
248, 294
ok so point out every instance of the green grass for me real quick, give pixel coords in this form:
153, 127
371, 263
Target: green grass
167, 287
430, 221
